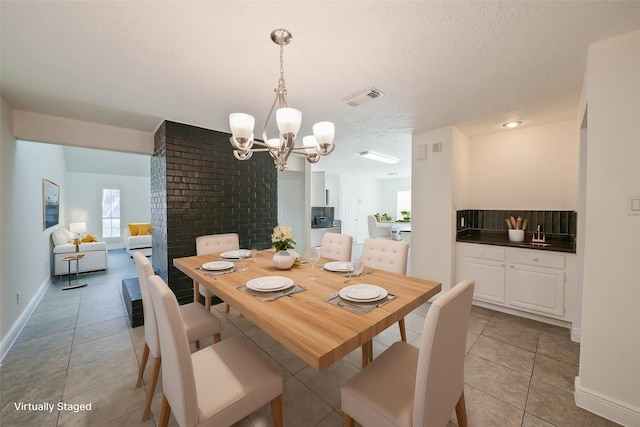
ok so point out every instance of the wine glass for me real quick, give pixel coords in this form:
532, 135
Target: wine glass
241, 265
358, 267
314, 255
253, 254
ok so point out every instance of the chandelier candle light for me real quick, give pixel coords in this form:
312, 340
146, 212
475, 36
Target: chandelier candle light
288, 121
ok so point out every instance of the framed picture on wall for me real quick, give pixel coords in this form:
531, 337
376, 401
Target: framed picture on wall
50, 203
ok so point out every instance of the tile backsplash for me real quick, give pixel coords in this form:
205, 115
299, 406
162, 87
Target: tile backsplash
551, 222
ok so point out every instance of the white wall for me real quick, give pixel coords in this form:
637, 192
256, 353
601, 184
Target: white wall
610, 348
502, 166
26, 264
83, 201
433, 212
30, 126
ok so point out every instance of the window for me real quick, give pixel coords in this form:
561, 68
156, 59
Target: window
110, 203
403, 203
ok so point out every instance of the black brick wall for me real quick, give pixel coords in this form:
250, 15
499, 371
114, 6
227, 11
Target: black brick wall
198, 187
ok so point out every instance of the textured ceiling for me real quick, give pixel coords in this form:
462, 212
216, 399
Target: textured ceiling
473, 65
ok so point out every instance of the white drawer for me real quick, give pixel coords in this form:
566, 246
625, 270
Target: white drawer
537, 258
496, 253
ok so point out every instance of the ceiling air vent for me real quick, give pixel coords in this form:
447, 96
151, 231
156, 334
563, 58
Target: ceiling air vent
363, 96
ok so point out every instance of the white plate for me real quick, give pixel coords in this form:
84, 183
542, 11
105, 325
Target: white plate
363, 293
235, 254
269, 283
217, 265
339, 266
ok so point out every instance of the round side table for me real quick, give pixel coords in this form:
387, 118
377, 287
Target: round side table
77, 259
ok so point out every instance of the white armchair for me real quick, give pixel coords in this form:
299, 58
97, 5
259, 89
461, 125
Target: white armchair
376, 232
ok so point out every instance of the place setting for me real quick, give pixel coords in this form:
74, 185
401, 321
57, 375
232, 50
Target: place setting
270, 288
348, 269
217, 268
361, 298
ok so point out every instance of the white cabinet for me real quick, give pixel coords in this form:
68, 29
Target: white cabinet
537, 281
318, 189
486, 265
519, 280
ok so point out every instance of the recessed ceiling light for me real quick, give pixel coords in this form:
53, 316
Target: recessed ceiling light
378, 157
512, 124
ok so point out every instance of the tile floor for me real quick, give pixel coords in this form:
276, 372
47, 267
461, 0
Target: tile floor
78, 348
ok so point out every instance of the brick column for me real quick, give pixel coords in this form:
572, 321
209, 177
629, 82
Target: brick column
198, 187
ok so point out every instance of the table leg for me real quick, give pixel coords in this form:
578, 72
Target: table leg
367, 353
70, 286
69, 270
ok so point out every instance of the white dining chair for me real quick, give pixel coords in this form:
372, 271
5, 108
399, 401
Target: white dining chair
387, 255
198, 324
213, 244
376, 232
216, 386
336, 246
427, 383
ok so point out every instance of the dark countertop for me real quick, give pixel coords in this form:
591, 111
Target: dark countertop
557, 243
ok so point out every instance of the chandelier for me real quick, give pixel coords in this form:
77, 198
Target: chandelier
288, 121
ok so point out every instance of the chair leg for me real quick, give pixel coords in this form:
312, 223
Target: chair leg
164, 412
153, 381
197, 344
461, 411
207, 303
403, 330
143, 364
276, 411
347, 421
226, 307
217, 338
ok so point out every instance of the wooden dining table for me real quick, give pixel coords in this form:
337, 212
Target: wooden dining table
317, 331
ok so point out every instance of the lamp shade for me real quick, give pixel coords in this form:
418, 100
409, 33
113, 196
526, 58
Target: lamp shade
273, 142
310, 144
289, 120
324, 133
241, 125
78, 227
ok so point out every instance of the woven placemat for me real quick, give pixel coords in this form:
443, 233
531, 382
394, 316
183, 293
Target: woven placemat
359, 308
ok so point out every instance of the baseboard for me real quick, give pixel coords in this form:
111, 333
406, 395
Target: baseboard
576, 334
18, 326
606, 406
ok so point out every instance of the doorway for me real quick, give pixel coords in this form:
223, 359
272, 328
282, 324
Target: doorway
349, 208
291, 204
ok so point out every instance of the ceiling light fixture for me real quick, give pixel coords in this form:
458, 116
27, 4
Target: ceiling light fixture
512, 124
379, 157
288, 121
